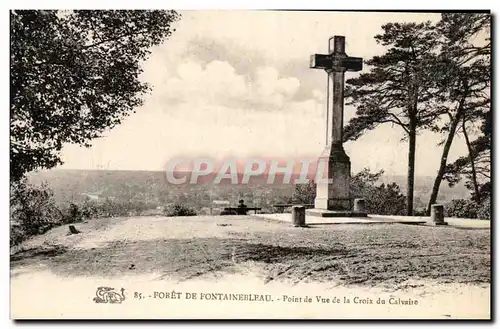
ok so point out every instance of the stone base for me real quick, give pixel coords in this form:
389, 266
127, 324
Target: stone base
333, 194
333, 204
334, 213
438, 223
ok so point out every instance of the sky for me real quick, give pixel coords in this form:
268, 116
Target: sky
238, 83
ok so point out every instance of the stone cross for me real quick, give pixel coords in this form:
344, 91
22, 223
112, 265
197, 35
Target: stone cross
336, 63
332, 198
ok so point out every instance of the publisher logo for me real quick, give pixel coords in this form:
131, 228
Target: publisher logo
109, 295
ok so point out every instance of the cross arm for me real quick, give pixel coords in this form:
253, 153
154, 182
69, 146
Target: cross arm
352, 64
319, 61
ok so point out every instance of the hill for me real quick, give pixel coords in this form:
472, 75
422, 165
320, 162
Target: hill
152, 186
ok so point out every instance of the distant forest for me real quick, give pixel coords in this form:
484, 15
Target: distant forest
152, 187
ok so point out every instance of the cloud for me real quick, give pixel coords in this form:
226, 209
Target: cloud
268, 83
218, 83
205, 50
244, 58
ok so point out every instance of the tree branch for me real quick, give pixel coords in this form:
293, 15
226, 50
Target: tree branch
113, 39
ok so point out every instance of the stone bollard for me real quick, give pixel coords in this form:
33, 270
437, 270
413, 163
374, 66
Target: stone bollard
73, 230
437, 214
359, 205
299, 216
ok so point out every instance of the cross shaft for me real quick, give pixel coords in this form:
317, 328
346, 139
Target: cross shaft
336, 63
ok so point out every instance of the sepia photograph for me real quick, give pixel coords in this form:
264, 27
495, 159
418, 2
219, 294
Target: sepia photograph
250, 164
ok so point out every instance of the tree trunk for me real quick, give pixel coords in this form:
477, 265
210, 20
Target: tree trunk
477, 197
411, 165
444, 158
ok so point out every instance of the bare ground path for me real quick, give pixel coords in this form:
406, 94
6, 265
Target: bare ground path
388, 258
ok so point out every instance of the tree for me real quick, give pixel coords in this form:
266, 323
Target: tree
73, 76
476, 166
464, 83
398, 89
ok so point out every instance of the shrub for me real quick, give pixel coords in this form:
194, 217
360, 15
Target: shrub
90, 209
178, 210
32, 211
462, 208
78, 212
304, 193
484, 211
112, 208
117, 208
385, 200
380, 199
71, 214
17, 235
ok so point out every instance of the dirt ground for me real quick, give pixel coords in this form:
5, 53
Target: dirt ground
390, 257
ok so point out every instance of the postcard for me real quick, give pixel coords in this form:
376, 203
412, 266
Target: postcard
250, 164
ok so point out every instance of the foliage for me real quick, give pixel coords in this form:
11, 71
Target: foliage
387, 200
362, 180
110, 207
380, 199
304, 193
32, 211
75, 74
484, 211
462, 208
17, 235
74, 213
115, 208
469, 209
179, 210
396, 87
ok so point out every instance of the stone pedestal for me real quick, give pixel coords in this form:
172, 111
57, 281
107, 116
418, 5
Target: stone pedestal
437, 215
299, 216
334, 195
359, 205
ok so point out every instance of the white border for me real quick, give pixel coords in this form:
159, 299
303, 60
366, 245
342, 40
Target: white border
190, 4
